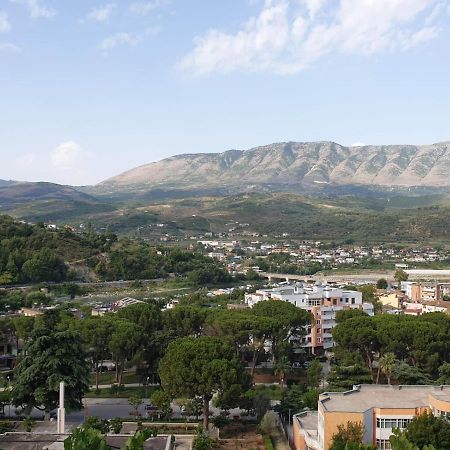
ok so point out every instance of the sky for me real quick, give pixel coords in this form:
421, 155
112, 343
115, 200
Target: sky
89, 89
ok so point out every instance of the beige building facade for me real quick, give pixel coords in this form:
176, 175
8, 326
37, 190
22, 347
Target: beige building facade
380, 408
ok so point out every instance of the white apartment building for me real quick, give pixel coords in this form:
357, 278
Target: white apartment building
322, 301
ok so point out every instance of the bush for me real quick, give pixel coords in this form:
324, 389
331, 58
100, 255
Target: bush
267, 442
115, 425
269, 422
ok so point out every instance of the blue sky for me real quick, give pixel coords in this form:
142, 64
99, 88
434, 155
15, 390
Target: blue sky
89, 89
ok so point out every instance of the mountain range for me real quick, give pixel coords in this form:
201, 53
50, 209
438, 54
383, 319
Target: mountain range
294, 164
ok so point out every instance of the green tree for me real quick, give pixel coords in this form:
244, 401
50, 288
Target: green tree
407, 374
399, 441
444, 374
282, 368
314, 373
382, 283
400, 275
350, 433
162, 400
286, 321
387, 364
96, 332
429, 430
124, 342
115, 425
345, 377
135, 401
292, 401
200, 367
50, 359
85, 438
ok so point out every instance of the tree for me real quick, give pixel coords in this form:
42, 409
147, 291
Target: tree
125, 340
162, 401
387, 364
407, 374
50, 359
314, 374
444, 374
282, 368
311, 398
97, 332
286, 320
345, 377
382, 283
360, 335
85, 438
399, 442
200, 367
292, 401
135, 401
429, 430
115, 425
269, 423
400, 275
350, 433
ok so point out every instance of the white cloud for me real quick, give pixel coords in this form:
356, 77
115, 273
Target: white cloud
101, 14
5, 26
36, 9
288, 36
66, 155
9, 47
145, 7
125, 39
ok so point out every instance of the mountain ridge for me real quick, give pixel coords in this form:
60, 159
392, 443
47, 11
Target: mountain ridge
296, 163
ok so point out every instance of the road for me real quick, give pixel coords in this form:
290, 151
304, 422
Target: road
108, 408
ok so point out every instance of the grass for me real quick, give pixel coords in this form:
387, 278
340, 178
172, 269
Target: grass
273, 392
125, 392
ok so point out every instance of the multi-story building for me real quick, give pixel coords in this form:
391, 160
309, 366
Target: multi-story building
379, 408
322, 301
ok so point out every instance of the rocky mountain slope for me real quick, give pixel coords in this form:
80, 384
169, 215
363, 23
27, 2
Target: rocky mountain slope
296, 164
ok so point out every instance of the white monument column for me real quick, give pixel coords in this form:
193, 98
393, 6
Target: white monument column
61, 411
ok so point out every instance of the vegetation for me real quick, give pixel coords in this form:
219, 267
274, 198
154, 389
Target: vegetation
200, 367
411, 350
51, 357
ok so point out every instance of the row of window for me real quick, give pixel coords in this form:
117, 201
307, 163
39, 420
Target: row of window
383, 444
393, 423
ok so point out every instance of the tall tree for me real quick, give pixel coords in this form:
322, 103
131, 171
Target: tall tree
200, 367
125, 340
387, 364
50, 359
314, 374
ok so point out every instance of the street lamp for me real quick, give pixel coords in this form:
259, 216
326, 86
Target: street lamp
146, 388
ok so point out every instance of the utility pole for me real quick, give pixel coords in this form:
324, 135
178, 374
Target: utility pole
61, 425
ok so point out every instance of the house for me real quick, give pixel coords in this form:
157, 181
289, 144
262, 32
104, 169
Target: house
380, 408
322, 301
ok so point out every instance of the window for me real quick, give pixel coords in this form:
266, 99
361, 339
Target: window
318, 321
383, 444
392, 423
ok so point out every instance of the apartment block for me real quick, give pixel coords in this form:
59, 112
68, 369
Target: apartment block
380, 408
322, 301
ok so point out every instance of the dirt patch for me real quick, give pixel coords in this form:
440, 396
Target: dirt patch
248, 440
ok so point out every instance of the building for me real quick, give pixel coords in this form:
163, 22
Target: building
115, 306
380, 408
322, 301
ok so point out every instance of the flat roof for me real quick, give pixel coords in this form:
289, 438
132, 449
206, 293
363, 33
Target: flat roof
368, 396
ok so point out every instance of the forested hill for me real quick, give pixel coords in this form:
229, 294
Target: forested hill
32, 253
